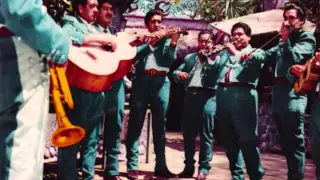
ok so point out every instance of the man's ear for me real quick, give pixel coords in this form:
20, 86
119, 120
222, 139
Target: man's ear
80, 8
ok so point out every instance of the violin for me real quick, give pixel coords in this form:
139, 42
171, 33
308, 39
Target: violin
218, 48
169, 31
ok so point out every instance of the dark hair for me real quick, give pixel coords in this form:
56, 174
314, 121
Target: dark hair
246, 28
204, 32
100, 2
56, 9
76, 3
300, 10
150, 14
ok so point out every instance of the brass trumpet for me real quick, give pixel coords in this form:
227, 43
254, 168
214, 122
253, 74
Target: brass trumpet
66, 134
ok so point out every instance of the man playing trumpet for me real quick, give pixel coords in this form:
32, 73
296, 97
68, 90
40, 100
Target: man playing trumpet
199, 108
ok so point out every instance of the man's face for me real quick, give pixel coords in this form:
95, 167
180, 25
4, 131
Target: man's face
242, 40
105, 14
205, 42
90, 11
290, 17
154, 23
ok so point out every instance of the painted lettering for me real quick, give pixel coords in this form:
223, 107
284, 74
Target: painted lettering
161, 7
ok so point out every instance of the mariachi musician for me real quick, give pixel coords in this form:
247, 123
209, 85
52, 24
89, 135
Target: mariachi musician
199, 109
25, 31
151, 86
88, 105
288, 107
237, 101
113, 105
311, 84
314, 132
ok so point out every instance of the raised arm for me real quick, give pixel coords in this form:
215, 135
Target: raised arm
180, 69
27, 19
301, 50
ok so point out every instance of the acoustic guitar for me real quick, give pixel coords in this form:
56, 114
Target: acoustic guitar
308, 74
94, 68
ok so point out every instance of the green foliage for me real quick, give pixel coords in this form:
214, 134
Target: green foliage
57, 8
312, 8
207, 9
236, 8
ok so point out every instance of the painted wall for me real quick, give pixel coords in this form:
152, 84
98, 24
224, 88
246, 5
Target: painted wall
169, 8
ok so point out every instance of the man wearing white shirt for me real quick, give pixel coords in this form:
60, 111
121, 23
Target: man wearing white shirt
237, 101
87, 110
199, 109
150, 86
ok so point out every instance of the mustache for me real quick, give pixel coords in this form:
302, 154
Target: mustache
110, 16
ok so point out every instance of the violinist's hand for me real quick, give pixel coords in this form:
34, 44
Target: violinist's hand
138, 39
245, 57
183, 76
174, 39
285, 32
231, 48
158, 35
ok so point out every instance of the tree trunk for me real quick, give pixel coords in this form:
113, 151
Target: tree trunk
119, 6
216, 4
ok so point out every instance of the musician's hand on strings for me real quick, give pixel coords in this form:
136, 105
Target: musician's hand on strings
174, 39
157, 36
245, 57
183, 76
138, 39
110, 41
297, 70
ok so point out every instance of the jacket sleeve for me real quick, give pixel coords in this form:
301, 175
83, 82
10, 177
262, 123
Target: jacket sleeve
179, 69
144, 50
300, 51
29, 20
265, 56
69, 28
169, 52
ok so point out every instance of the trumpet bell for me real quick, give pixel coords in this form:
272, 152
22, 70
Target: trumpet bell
67, 136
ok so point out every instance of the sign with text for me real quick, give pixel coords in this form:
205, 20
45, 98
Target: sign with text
169, 8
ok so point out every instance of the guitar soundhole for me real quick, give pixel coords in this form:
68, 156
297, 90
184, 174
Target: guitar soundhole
108, 48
